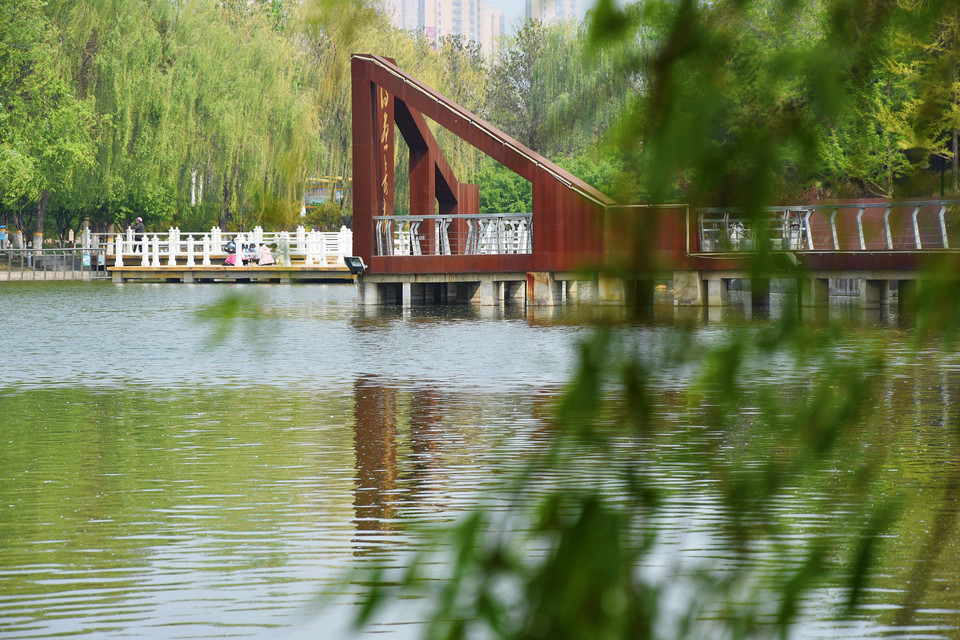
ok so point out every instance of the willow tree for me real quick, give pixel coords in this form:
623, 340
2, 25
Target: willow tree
334, 31
44, 129
247, 118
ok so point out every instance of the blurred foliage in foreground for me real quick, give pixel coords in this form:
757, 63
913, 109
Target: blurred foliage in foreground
733, 101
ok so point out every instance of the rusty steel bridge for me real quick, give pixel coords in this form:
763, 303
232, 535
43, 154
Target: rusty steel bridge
579, 244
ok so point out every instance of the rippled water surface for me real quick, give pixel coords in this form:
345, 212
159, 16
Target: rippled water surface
200, 461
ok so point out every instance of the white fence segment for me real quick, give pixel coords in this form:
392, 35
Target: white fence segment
318, 248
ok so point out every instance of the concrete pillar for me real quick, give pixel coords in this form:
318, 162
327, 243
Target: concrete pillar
542, 289
582, 291
716, 292
488, 293
885, 293
610, 290
814, 292
871, 293
406, 294
687, 289
369, 293
515, 291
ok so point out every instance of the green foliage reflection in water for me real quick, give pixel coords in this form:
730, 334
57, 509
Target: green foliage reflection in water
586, 565
720, 117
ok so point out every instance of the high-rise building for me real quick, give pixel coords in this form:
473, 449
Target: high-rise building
551, 11
492, 27
472, 19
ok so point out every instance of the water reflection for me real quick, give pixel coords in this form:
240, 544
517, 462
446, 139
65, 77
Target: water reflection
375, 437
172, 487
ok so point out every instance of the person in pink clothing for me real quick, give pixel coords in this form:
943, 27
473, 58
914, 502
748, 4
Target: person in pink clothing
264, 257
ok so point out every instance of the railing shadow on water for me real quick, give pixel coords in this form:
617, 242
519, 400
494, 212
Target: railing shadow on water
63, 263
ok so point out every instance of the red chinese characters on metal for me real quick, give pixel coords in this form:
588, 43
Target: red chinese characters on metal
567, 212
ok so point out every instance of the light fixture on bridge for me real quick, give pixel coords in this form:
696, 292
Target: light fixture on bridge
355, 264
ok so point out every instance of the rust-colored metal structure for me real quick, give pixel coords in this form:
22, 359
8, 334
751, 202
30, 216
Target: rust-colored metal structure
567, 229
445, 250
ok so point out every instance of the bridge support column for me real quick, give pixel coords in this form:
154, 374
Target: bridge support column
874, 293
369, 293
687, 289
488, 293
515, 291
543, 290
610, 290
814, 292
406, 294
716, 292
582, 291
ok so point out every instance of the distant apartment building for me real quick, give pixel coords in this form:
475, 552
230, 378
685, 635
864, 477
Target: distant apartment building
474, 20
552, 11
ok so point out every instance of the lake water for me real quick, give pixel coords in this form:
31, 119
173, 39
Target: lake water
201, 461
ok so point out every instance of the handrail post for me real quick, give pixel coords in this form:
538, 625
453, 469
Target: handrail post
190, 261
943, 227
285, 248
863, 245
916, 227
886, 225
206, 251
172, 247
806, 226
833, 229
344, 244
118, 248
156, 251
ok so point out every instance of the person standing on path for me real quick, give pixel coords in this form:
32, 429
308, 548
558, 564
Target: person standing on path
138, 230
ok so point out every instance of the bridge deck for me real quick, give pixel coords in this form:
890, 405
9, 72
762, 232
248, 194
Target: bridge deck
224, 273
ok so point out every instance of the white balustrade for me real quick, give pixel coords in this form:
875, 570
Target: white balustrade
172, 243
285, 248
301, 242
315, 248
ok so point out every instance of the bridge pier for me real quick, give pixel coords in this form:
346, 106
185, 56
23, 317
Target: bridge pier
543, 289
814, 292
874, 293
717, 291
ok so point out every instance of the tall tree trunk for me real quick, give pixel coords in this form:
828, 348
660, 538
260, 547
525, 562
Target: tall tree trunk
954, 181
225, 208
889, 151
41, 216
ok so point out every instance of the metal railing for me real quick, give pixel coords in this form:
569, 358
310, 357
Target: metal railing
74, 263
484, 234
893, 226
